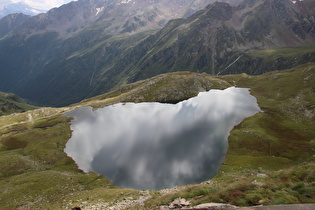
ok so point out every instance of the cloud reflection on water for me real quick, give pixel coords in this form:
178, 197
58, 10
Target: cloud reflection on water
154, 145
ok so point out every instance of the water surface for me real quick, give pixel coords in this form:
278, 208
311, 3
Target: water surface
154, 145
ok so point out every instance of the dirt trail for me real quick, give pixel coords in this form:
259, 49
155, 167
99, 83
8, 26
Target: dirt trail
31, 116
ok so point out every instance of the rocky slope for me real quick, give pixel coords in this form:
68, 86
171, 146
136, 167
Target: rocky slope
270, 159
118, 16
86, 48
220, 39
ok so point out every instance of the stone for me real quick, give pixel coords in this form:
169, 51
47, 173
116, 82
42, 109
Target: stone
262, 175
257, 183
178, 203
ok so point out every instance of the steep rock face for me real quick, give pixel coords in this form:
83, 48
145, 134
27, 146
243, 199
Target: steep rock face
281, 20
219, 35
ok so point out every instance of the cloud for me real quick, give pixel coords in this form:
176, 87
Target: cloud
154, 145
42, 4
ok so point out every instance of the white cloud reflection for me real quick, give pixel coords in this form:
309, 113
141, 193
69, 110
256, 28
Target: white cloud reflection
154, 145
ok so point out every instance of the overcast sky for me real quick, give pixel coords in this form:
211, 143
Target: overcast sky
37, 4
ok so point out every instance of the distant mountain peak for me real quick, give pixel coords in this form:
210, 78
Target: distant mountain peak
19, 7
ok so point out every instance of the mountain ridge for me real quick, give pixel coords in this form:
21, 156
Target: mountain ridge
220, 39
115, 16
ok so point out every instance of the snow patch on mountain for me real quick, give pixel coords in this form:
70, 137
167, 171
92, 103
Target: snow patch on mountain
98, 10
296, 1
125, 1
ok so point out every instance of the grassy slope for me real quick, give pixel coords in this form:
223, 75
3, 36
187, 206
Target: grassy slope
282, 137
10, 103
36, 173
286, 52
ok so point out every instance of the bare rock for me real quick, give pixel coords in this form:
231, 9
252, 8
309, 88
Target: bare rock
179, 203
257, 183
262, 175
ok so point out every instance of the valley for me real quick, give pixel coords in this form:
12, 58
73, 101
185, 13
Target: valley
127, 61
88, 51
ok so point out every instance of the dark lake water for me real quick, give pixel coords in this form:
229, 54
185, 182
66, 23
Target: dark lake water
154, 145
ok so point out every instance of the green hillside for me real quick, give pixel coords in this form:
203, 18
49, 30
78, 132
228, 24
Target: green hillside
270, 159
10, 103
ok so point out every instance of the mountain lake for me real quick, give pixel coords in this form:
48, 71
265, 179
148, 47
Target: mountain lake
156, 145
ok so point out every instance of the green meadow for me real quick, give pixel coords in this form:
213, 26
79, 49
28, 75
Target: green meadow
270, 158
